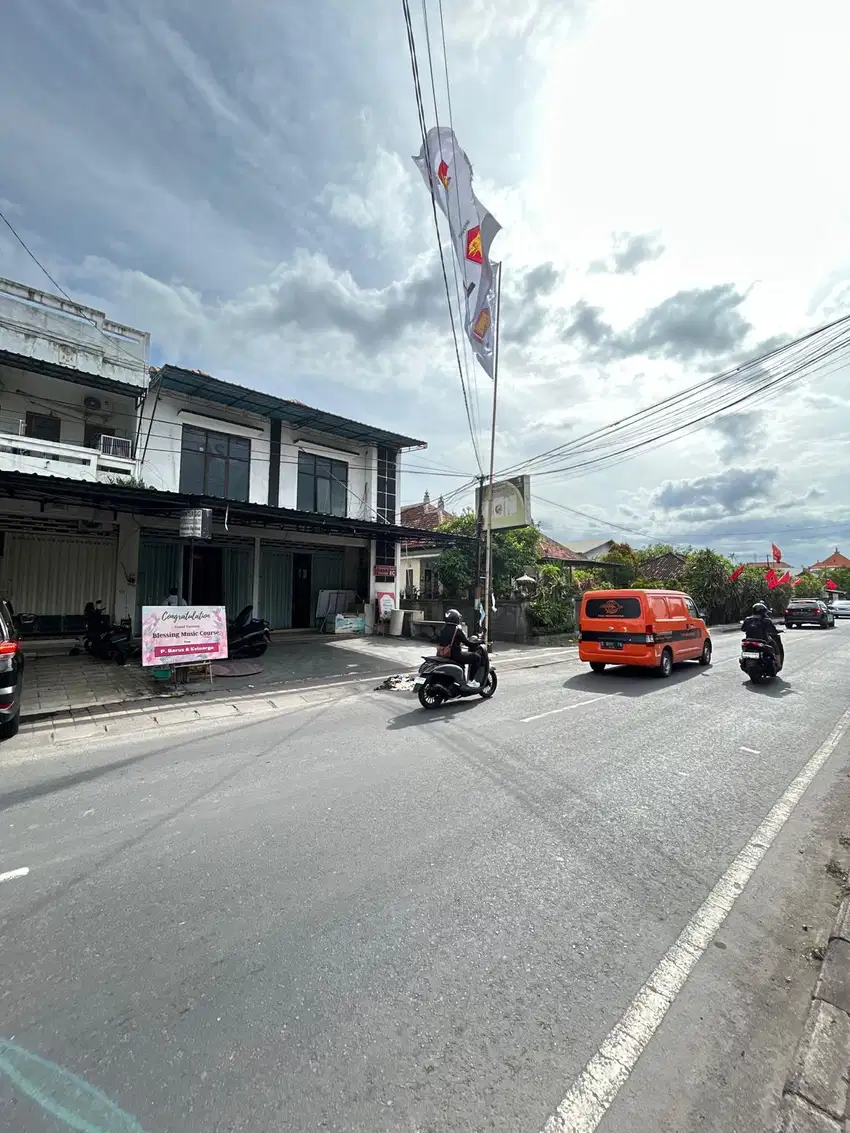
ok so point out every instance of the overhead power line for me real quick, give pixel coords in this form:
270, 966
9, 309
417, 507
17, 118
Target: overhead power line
423, 130
688, 411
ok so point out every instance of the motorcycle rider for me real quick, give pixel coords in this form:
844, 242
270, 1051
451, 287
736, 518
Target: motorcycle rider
452, 642
759, 626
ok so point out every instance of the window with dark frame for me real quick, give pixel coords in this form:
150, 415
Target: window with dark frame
215, 464
43, 427
385, 503
322, 485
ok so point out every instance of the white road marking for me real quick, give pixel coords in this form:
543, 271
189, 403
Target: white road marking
13, 873
608, 1070
565, 708
750, 751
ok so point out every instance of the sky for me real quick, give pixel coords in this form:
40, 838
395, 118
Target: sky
671, 180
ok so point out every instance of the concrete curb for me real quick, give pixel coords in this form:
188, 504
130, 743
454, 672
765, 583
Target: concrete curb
815, 1097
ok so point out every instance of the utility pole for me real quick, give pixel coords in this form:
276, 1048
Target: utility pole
488, 585
479, 540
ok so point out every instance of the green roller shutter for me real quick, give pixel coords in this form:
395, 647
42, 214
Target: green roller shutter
238, 577
160, 568
275, 586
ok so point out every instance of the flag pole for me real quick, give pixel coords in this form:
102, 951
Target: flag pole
488, 584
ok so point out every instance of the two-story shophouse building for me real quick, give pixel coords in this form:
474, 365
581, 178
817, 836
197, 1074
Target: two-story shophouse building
101, 457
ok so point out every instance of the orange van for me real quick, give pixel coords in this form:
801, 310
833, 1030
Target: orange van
652, 628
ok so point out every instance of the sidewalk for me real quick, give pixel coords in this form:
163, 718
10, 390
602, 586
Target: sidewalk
815, 1098
62, 692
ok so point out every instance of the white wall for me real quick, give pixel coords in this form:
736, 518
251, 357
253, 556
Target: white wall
21, 391
54, 329
161, 467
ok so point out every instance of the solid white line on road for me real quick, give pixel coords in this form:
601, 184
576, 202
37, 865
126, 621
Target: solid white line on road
566, 708
13, 873
750, 751
608, 1070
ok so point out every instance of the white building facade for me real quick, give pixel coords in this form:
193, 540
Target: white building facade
100, 456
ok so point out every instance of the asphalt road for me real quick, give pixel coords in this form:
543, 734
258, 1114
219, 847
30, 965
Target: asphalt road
364, 917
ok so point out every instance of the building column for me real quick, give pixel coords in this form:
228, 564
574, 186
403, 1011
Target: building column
126, 569
255, 592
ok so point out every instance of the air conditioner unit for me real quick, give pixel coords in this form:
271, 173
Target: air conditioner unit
93, 403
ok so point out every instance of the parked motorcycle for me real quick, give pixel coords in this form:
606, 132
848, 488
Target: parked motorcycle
105, 640
760, 660
440, 679
248, 636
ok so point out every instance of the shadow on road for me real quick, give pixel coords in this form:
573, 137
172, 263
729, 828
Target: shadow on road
625, 681
775, 688
419, 716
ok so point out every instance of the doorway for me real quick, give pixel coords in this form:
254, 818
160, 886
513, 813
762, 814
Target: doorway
207, 576
302, 613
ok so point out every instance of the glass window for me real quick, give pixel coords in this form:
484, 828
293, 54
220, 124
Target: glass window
613, 607
238, 480
322, 485
215, 464
323, 495
192, 473
306, 491
42, 427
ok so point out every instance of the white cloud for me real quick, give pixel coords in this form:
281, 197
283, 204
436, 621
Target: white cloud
241, 184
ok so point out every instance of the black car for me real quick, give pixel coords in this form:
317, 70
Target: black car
11, 674
809, 612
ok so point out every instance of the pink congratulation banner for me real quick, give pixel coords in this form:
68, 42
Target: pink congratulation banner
172, 635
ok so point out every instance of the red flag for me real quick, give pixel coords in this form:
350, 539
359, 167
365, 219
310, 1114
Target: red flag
797, 581
777, 554
830, 585
736, 574
785, 579
770, 577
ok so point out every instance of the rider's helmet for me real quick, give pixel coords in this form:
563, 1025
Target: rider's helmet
453, 616
759, 608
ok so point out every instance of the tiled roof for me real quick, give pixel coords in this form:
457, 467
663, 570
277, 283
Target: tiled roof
557, 552
425, 516
836, 559
663, 567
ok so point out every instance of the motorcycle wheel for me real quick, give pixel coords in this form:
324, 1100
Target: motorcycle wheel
430, 696
256, 651
756, 676
489, 686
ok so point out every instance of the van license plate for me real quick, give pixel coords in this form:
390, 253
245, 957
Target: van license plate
611, 644
419, 681
750, 656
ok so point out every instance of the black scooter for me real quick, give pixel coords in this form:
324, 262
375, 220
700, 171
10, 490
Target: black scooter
440, 679
760, 660
106, 641
247, 636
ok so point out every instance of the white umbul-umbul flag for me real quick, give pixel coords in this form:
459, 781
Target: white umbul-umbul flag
448, 175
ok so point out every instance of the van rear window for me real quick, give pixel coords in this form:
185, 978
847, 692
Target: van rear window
614, 607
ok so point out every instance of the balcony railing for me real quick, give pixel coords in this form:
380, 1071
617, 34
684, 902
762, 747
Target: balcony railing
112, 461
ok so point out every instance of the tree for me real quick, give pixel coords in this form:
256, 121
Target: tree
514, 551
626, 564
809, 586
706, 579
552, 610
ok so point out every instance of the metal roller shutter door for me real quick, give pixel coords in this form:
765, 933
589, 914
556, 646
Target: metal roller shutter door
58, 574
275, 596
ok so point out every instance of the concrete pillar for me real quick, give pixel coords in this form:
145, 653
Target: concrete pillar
126, 568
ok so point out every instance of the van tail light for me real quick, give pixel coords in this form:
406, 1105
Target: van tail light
7, 648
650, 634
